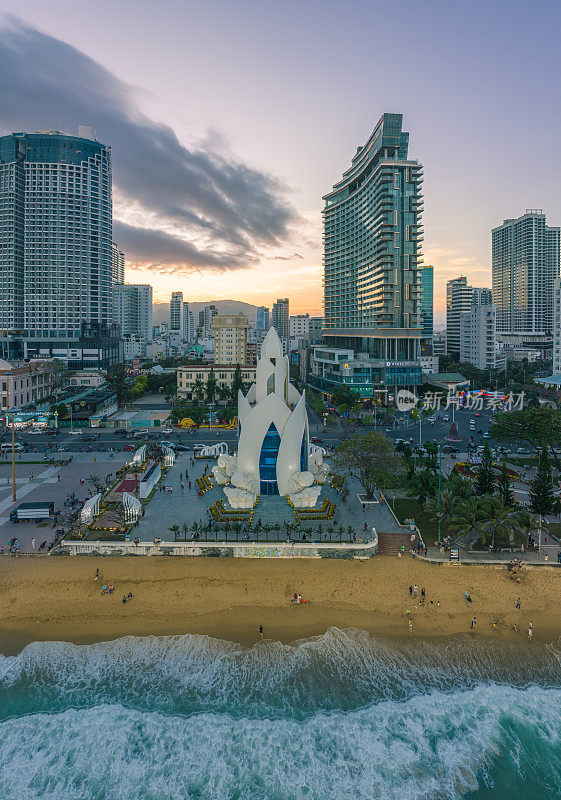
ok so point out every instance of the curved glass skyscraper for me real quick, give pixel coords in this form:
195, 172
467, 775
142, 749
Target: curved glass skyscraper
372, 231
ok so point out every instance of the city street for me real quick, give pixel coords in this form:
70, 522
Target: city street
101, 452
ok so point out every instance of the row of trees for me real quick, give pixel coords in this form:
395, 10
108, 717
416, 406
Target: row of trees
484, 510
537, 427
210, 391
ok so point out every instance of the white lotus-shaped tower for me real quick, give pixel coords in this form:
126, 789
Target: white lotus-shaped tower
273, 448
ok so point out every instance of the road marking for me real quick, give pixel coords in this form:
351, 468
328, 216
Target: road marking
25, 490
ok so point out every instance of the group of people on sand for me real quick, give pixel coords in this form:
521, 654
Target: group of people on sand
109, 588
494, 623
421, 599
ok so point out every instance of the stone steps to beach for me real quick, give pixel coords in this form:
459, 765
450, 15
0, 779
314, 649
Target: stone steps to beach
389, 544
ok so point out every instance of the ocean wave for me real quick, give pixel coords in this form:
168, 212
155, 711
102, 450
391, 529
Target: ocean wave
439, 745
182, 675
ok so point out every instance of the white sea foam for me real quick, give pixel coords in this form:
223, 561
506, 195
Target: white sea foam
433, 746
340, 670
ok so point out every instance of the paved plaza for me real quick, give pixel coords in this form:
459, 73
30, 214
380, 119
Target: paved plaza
44, 483
184, 506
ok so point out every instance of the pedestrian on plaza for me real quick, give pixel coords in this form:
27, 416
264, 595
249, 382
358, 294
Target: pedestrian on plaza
33, 542
189, 484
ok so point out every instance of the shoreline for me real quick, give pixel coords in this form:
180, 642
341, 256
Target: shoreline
57, 599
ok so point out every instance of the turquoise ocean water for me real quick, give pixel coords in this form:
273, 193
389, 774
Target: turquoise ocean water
344, 715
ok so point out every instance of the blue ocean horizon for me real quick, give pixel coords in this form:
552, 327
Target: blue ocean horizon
342, 715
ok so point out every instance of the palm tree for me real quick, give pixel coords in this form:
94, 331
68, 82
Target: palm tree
223, 392
447, 506
422, 486
198, 388
466, 518
500, 521
528, 523
462, 488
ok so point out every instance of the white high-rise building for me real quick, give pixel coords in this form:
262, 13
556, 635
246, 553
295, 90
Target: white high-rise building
481, 296
525, 263
299, 326
176, 312
460, 298
458, 301
478, 336
209, 313
56, 256
133, 310
117, 264
557, 327
188, 324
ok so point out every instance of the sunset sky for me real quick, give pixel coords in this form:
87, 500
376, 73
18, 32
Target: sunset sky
230, 120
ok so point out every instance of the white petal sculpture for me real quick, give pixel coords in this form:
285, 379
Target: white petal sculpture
273, 442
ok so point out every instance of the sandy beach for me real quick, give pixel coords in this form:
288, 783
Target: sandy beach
57, 598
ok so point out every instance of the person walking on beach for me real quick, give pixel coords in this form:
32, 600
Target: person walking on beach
530, 630
33, 542
415, 590
261, 631
411, 591
473, 623
518, 603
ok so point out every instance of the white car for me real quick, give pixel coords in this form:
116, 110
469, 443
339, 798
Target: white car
75, 431
167, 430
8, 446
34, 433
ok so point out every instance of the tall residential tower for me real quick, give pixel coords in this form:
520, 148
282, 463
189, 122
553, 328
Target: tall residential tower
56, 258
280, 321
372, 262
525, 262
133, 310
176, 312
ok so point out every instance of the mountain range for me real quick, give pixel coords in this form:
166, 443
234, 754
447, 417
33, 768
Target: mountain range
161, 310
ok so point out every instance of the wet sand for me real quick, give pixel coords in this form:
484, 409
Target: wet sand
57, 598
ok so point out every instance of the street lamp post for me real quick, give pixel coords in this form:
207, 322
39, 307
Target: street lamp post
13, 460
439, 485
